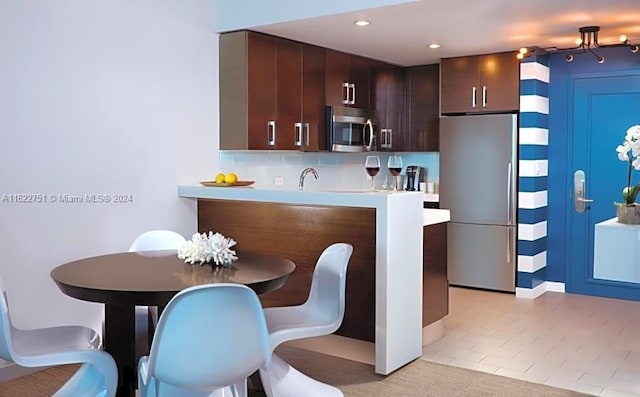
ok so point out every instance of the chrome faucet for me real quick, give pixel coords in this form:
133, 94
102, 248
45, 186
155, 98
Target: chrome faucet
304, 173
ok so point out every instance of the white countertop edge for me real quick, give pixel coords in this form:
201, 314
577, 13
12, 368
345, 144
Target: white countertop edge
432, 216
432, 197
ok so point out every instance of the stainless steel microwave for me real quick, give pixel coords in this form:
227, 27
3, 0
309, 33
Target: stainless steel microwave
350, 129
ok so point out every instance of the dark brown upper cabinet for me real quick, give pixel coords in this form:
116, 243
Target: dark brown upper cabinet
387, 94
481, 83
271, 93
422, 100
347, 80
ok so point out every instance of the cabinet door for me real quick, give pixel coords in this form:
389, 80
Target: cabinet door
289, 95
395, 107
337, 75
313, 101
435, 285
261, 91
387, 85
460, 84
423, 121
359, 77
500, 82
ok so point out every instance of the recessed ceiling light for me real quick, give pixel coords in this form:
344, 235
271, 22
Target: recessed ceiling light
434, 45
361, 23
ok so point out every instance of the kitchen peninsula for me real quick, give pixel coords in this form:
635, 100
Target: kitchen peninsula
385, 275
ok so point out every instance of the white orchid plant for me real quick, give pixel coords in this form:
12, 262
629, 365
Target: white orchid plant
629, 151
203, 248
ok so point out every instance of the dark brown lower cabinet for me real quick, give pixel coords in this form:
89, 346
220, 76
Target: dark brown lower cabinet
435, 286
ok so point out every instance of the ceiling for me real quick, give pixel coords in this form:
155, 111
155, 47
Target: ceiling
400, 34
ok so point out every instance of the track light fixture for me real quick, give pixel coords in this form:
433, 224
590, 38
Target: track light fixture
586, 43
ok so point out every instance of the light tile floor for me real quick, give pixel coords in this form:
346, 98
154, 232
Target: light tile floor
576, 342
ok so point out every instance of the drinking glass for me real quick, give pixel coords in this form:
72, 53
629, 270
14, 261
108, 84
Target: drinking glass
395, 167
372, 165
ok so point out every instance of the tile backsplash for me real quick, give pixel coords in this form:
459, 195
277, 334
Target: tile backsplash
336, 170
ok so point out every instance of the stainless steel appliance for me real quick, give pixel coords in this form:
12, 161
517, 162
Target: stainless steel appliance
350, 129
415, 175
478, 174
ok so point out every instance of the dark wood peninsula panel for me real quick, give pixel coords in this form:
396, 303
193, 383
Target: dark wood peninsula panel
301, 233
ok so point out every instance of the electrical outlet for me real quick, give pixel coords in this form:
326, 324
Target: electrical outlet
278, 181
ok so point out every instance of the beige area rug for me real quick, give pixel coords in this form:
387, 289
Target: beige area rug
419, 378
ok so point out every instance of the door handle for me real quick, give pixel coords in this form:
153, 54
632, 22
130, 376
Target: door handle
271, 133
473, 97
307, 141
298, 129
345, 93
484, 96
579, 187
353, 94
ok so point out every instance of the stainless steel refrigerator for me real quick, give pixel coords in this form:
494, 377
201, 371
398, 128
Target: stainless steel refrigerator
478, 175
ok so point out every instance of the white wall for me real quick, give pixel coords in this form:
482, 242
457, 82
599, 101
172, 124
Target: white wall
108, 97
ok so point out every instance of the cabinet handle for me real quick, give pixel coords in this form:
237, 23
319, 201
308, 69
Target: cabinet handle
307, 141
484, 96
271, 133
345, 93
383, 138
298, 131
473, 97
353, 94
390, 142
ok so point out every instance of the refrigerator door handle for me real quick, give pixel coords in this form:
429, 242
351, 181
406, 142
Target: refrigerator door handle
509, 245
509, 194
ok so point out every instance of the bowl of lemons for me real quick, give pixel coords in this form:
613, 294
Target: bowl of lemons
226, 180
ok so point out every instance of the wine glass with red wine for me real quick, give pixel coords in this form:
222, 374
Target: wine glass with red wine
395, 167
372, 164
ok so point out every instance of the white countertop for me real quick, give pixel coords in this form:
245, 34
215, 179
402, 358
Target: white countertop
433, 216
350, 198
353, 198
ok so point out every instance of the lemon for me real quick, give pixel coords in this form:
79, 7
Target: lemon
231, 178
220, 178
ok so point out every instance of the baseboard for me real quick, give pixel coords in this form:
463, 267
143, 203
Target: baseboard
554, 286
432, 332
339, 346
528, 293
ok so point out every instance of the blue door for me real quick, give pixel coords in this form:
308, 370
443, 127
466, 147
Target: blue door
603, 109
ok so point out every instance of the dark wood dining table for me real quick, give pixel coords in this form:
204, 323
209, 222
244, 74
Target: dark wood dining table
125, 280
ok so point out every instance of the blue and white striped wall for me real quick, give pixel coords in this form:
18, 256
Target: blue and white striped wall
532, 177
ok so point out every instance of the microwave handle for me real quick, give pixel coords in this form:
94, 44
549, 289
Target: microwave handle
369, 124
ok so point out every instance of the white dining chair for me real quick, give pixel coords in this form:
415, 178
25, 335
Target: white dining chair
146, 317
321, 314
209, 339
46, 347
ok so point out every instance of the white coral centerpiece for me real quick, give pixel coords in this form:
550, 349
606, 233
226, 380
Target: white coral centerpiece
205, 247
